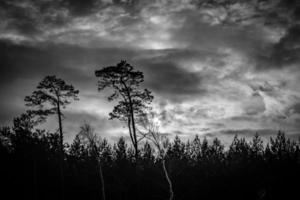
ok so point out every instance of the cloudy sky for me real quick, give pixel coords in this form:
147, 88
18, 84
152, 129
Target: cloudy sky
216, 67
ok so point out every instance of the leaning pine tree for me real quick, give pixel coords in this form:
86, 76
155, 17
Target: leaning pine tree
52, 94
133, 101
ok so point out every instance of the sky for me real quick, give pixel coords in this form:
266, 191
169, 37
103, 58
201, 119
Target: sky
216, 67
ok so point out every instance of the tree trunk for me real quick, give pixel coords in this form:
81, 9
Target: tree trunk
61, 163
135, 144
171, 193
98, 163
136, 155
135, 141
102, 179
129, 129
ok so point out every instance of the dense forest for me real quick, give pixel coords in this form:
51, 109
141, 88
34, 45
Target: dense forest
199, 169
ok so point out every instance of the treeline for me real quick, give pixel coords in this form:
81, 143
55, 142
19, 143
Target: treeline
198, 169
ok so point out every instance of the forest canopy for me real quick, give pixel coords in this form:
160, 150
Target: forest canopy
199, 169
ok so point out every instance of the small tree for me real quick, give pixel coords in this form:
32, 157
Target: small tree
51, 96
125, 83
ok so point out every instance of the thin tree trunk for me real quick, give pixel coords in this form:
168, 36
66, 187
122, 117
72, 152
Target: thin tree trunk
171, 193
135, 142
102, 179
61, 163
136, 155
100, 169
134, 132
129, 128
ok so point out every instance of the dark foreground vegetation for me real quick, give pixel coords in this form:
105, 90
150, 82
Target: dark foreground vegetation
199, 169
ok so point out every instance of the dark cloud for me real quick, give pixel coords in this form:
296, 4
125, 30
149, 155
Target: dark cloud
30, 17
81, 7
70, 61
283, 53
31, 62
170, 80
294, 109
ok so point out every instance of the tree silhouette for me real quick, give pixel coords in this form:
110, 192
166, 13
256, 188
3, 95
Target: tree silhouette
77, 149
256, 147
216, 151
239, 149
125, 83
120, 151
51, 96
25, 122
195, 149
